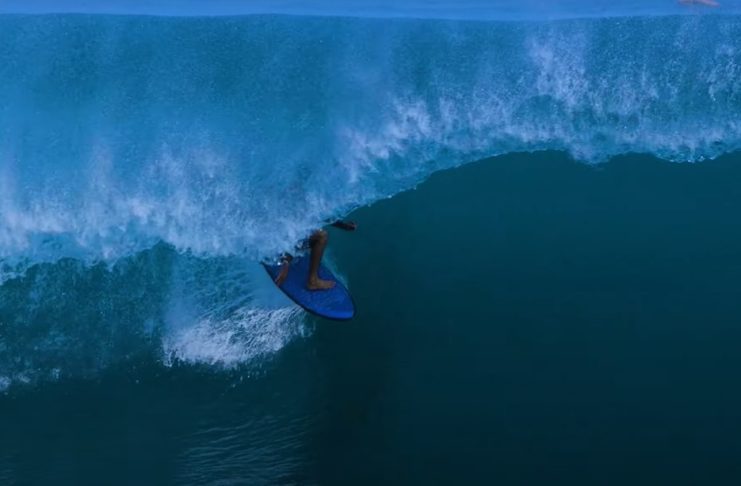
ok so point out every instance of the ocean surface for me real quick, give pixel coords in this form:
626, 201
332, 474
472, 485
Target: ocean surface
547, 266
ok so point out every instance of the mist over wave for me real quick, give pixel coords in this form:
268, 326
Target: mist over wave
239, 135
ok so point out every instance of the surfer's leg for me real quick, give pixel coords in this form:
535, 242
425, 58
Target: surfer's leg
318, 244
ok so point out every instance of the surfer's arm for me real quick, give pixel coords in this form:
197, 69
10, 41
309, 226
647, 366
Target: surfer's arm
285, 265
345, 225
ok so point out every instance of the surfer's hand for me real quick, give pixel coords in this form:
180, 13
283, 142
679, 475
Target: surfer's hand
345, 225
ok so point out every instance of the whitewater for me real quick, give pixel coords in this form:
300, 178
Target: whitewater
238, 135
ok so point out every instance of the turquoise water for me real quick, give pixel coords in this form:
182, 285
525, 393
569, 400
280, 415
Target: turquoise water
546, 266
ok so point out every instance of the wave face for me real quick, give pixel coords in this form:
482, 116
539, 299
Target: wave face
71, 321
239, 135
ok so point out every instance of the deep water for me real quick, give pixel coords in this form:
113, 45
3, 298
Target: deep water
524, 319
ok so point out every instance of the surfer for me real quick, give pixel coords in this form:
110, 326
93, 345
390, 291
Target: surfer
316, 243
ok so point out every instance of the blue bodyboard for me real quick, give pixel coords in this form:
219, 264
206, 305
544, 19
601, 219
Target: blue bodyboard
335, 303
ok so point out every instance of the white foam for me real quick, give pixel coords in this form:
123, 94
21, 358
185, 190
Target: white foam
226, 313
245, 336
252, 171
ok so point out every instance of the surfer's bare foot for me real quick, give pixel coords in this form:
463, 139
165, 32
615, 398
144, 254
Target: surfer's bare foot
281, 276
318, 244
285, 263
319, 284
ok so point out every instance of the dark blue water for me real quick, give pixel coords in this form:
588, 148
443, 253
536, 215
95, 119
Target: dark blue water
546, 267
523, 319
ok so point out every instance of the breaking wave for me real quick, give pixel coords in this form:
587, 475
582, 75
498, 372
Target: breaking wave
237, 136
147, 163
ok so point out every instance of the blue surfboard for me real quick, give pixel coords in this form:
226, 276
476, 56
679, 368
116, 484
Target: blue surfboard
335, 303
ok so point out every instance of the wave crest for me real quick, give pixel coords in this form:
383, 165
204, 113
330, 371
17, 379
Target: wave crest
240, 135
